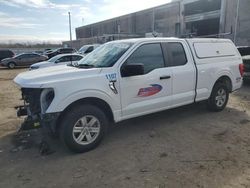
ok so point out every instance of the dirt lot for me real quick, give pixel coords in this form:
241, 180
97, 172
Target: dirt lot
185, 147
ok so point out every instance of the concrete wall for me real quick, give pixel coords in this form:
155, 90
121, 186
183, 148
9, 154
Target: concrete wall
240, 33
168, 20
243, 27
161, 19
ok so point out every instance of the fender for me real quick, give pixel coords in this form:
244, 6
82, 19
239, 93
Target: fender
61, 104
225, 72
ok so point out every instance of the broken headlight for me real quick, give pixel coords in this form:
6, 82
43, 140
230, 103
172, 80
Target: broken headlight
46, 98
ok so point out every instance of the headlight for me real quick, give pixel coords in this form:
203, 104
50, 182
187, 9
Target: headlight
33, 67
46, 98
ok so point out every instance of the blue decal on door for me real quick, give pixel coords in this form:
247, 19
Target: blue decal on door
149, 91
111, 77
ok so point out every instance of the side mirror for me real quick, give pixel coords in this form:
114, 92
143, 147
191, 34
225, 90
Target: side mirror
57, 61
132, 70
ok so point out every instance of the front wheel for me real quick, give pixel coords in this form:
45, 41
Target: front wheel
83, 128
219, 98
11, 65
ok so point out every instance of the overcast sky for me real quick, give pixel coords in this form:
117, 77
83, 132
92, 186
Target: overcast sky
47, 20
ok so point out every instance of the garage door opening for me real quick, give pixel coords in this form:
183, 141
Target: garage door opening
204, 27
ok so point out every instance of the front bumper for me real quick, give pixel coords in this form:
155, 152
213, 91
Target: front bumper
48, 121
3, 64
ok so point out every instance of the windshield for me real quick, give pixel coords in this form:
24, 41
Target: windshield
19, 55
106, 55
53, 59
83, 49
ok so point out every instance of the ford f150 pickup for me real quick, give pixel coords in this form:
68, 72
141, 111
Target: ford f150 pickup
126, 79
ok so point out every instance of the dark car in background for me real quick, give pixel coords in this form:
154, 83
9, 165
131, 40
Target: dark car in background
4, 53
25, 59
61, 51
245, 53
86, 49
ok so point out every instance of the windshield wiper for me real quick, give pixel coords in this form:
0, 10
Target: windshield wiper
85, 66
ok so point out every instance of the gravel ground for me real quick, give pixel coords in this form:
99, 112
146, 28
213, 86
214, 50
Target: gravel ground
184, 147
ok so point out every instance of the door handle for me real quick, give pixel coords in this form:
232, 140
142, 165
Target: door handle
165, 77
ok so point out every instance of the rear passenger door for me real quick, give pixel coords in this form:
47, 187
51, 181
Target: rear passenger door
184, 72
34, 58
151, 92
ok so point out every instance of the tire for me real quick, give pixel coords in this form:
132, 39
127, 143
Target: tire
11, 65
219, 98
83, 128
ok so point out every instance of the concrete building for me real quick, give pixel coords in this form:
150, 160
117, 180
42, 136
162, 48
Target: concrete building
180, 18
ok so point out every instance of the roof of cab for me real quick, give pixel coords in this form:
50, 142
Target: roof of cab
139, 40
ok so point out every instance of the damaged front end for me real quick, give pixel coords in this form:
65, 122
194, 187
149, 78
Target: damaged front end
36, 103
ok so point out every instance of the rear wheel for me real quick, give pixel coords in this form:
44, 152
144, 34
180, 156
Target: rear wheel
11, 65
83, 128
219, 97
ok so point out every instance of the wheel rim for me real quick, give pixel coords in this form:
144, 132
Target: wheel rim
221, 97
86, 130
11, 65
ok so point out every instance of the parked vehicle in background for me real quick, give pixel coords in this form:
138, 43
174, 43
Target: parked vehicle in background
245, 53
61, 59
24, 59
87, 49
47, 49
246, 62
38, 52
4, 53
61, 51
126, 79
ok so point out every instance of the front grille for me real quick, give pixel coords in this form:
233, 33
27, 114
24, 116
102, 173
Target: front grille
31, 97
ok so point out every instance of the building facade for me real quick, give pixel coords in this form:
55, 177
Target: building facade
180, 18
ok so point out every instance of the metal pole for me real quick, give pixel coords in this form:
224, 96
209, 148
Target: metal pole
236, 22
153, 21
70, 34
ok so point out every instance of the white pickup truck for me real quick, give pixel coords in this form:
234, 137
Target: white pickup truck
126, 79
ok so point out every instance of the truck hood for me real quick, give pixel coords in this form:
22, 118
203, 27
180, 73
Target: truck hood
46, 77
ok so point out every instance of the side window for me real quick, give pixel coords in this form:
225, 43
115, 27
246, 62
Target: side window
76, 58
90, 49
150, 55
34, 55
68, 50
177, 54
64, 59
24, 56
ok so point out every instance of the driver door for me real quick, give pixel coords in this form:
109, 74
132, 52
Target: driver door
150, 92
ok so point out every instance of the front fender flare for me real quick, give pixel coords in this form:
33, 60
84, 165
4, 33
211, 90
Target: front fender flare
59, 106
